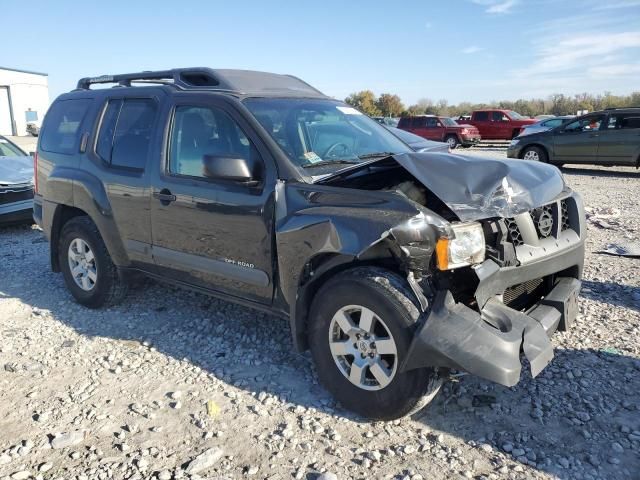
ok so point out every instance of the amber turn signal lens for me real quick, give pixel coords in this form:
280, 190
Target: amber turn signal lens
442, 253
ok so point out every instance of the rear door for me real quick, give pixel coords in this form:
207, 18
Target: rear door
577, 142
482, 123
207, 232
620, 139
419, 126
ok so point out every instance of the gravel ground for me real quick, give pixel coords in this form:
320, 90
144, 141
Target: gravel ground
172, 384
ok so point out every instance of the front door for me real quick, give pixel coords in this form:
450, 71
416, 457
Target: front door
434, 129
208, 232
578, 141
620, 139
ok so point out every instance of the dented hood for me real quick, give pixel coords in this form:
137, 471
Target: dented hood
476, 187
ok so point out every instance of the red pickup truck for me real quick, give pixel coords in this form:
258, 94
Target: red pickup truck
440, 129
495, 124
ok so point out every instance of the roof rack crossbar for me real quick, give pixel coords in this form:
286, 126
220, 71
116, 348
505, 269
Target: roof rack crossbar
177, 76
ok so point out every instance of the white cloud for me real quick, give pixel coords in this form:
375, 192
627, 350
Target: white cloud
471, 49
614, 70
497, 6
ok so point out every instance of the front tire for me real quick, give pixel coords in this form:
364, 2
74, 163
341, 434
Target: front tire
86, 265
361, 325
452, 141
535, 154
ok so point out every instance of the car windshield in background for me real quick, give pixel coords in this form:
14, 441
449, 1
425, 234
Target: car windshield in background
448, 122
8, 150
515, 115
317, 133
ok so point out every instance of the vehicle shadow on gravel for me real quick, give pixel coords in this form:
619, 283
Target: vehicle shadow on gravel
617, 294
577, 417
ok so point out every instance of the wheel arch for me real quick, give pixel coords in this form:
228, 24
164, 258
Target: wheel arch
535, 144
317, 272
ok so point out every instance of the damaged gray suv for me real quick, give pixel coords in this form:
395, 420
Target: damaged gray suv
392, 267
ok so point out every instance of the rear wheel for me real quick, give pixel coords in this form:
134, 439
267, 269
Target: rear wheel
88, 271
362, 323
452, 141
535, 154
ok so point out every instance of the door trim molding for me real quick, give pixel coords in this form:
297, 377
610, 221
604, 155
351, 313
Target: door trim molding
188, 262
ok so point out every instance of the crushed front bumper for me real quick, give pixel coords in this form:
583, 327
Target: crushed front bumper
488, 343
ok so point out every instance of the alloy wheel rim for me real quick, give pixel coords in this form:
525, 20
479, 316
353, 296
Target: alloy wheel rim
363, 347
82, 264
531, 155
452, 142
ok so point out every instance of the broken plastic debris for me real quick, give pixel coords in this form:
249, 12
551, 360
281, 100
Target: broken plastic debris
611, 351
626, 249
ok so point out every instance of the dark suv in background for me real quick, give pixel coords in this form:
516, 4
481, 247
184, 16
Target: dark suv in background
392, 266
609, 137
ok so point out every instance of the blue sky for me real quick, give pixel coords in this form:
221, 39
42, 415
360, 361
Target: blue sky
476, 50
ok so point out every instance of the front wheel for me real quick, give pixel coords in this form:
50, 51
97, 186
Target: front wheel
452, 141
535, 154
362, 323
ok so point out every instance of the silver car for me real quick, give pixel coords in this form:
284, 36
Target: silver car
16, 183
545, 124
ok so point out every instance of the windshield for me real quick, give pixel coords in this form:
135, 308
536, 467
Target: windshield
8, 150
515, 115
448, 122
316, 133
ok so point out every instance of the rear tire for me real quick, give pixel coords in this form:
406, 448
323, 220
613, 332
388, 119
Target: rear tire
86, 265
535, 154
381, 314
452, 141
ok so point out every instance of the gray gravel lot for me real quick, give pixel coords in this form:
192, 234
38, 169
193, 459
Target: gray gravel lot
172, 384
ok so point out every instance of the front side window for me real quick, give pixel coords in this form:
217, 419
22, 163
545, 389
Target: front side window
316, 133
432, 122
499, 117
61, 129
9, 150
200, 131
586, 124
125, 132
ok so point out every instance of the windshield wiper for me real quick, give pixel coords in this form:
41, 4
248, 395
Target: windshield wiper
328, 162
375, 155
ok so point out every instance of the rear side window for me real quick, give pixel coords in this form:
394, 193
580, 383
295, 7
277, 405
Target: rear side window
481, 116
432, 122
61, 129
125, 132
404, 122
621, 121
418, 122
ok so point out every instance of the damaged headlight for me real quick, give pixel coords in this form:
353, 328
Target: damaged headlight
514, 142
467, 247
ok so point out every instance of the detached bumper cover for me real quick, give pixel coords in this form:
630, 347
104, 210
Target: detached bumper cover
488, 343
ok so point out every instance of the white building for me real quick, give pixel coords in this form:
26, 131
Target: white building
24, 98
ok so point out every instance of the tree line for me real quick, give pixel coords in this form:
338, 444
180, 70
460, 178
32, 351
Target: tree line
390, 105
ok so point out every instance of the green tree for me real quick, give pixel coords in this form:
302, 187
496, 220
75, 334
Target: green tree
390, 105
365, 101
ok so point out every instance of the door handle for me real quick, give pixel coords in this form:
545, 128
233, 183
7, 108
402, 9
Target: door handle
165, 196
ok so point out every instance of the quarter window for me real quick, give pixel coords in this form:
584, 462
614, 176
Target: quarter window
200, 131
60, 132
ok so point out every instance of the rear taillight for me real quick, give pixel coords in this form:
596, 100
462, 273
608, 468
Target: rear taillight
35, 172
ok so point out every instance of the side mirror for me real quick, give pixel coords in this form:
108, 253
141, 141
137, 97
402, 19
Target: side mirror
232, 168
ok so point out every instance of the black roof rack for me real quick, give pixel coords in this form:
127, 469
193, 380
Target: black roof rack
196, 78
